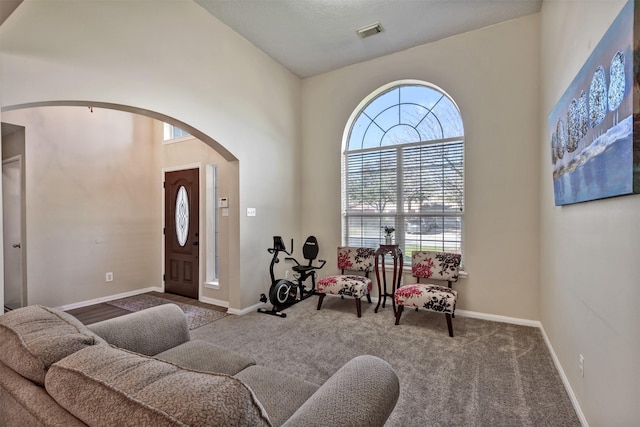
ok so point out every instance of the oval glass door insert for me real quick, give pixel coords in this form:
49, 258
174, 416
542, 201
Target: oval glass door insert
182, 216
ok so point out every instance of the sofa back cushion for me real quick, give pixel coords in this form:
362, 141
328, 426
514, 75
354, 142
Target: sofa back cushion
32, 338
104, 385
149, 331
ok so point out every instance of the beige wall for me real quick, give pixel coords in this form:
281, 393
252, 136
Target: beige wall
492, 74
91, 207
134, 57
589, 253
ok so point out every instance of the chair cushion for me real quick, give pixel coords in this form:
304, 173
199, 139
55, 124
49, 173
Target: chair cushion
345, 284
107, 386
35, 337
430, 297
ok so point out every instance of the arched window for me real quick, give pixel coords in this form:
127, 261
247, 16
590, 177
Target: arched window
403, 167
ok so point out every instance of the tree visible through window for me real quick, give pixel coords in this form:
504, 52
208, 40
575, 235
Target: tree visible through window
403, 166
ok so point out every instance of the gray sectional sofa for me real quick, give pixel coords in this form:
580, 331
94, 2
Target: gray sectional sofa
143, 369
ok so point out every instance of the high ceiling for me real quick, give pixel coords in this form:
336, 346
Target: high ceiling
310, 37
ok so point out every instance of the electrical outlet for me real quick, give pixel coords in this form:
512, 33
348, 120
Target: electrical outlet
581, 365
109, 277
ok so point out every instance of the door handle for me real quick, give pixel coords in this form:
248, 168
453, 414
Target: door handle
16, 245
196, 243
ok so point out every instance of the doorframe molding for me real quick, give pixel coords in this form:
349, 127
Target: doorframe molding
23, 230
199, 166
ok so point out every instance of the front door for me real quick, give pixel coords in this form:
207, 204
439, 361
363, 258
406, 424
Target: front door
181, 239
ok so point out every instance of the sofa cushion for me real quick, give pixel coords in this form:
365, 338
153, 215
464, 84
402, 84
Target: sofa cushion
35, 337
24, 403
104, 385
200, 355
281, 394
149, 331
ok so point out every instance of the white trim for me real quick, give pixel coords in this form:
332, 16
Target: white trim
179, 139
212, 285
499, 318
554, 357
16, 158
565, 380
109, 298
213, 301
250, 309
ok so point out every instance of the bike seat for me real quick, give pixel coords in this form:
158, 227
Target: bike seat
303, 268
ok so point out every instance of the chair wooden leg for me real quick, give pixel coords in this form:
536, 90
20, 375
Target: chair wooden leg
320, 298
358, 307
449, 325
399, 313
369, 298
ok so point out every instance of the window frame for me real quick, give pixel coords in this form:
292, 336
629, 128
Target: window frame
400, 216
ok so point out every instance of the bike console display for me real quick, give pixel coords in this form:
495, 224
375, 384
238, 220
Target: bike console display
278, 243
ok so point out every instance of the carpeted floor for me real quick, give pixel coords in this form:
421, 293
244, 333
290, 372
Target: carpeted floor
196, 316
489, 374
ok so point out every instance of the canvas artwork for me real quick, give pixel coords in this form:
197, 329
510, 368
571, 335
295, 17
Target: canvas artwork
594, 149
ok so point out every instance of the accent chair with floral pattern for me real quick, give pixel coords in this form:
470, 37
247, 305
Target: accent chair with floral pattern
431, 297
355, 285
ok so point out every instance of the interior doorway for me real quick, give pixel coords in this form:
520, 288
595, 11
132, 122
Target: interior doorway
15, 294
182, 234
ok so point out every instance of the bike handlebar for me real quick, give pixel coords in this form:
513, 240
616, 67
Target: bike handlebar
276, 250
313, 266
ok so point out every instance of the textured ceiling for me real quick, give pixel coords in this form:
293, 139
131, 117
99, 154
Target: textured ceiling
310, 37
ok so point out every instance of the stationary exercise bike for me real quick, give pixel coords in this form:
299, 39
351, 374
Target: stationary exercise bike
284, 293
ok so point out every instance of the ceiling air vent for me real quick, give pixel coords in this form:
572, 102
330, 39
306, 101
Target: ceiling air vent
370, 30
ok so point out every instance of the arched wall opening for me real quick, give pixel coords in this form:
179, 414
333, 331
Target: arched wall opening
135, 110
91, 247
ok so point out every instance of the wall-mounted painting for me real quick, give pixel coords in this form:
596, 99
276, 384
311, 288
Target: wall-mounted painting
595, 127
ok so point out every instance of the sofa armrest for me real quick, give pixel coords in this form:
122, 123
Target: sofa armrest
363, 392
149, 332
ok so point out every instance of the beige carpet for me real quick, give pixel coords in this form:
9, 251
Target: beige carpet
489, 374
196, 316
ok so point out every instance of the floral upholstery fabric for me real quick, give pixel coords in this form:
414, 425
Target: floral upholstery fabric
435, 265
344, 284
430, 297
354, 259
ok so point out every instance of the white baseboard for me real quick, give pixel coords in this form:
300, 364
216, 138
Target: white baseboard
556, 361
247, 310
213, 301
565, 380
109, 298
498, 318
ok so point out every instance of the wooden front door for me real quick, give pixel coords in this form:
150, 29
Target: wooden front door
181, 236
